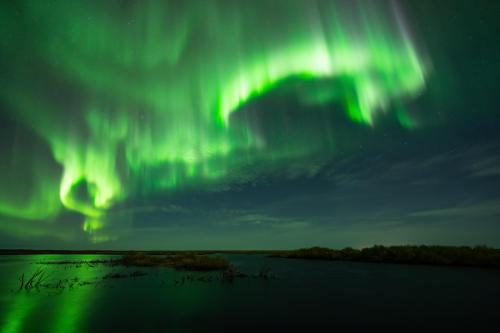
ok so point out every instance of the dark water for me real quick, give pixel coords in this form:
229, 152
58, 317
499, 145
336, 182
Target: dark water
306, 295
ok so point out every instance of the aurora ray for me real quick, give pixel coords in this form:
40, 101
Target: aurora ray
142, 101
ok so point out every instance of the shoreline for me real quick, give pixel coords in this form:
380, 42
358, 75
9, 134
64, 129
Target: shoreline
430, 255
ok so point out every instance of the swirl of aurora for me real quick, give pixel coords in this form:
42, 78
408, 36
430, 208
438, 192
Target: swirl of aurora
145, 96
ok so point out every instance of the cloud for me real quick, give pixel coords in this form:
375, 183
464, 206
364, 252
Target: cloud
166, 208
487, 167
267, 221
463, 211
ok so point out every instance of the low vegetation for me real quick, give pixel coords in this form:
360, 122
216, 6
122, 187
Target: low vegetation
181, 261
34, 281
37, 281
478, 256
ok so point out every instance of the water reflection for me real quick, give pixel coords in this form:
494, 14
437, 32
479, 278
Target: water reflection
334, 295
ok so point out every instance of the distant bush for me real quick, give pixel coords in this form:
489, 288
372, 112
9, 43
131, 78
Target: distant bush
141, 259
482, 256
318, 253
434, 255
181, 261
195, 262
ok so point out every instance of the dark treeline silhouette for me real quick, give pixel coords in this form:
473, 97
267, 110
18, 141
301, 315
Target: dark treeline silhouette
479, 256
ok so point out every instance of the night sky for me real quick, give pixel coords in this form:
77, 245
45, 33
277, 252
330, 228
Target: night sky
249, 124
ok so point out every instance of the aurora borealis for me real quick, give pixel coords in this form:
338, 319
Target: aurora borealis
191, 123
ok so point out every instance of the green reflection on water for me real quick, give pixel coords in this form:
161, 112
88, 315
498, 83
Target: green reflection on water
50, 310
22, 304
73, 306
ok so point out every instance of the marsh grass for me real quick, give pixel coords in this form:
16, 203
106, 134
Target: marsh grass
181, 261
35, 281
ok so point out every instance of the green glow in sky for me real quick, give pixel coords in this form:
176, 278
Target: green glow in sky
139, 98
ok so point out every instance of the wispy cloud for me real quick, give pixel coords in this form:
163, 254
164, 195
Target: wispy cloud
487, 167
489, 208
